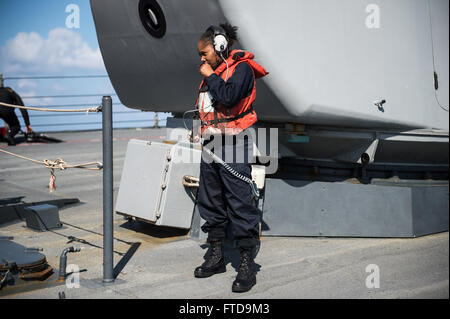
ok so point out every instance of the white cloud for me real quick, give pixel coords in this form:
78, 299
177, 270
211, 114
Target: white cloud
62, 49
23, 83
34, 101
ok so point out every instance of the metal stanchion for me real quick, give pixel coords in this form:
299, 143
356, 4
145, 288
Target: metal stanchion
108, 226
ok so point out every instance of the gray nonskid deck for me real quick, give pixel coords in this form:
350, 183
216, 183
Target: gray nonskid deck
163, 265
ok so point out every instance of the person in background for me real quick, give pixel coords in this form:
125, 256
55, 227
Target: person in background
9, 96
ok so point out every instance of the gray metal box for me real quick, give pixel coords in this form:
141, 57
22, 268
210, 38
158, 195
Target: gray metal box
151, 184
43, 217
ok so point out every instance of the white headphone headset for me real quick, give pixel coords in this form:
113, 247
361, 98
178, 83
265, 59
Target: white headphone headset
220, 41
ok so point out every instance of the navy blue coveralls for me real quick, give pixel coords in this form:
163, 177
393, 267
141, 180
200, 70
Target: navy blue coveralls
222, 198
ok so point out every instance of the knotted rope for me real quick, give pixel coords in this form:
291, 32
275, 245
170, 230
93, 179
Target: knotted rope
57, 164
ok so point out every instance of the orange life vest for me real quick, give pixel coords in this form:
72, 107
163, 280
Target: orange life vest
219, 119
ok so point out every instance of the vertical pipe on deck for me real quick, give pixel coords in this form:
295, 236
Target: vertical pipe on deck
108, 226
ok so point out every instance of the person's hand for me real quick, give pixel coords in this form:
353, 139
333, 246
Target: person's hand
206, 70
194, 139
28, 129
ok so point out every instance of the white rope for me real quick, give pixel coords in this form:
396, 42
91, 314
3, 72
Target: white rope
57, 164
92, 109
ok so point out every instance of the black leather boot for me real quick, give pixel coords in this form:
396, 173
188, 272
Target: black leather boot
246, 277
214, 263
9, 138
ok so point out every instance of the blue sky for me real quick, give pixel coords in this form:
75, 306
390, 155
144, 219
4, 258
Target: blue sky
41, 16
35, 40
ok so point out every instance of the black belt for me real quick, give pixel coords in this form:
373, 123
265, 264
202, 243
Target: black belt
227, 119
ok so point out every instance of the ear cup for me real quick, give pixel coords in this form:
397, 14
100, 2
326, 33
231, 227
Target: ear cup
220, 39
220, 43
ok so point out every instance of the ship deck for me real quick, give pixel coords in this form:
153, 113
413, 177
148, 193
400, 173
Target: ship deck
158, 262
